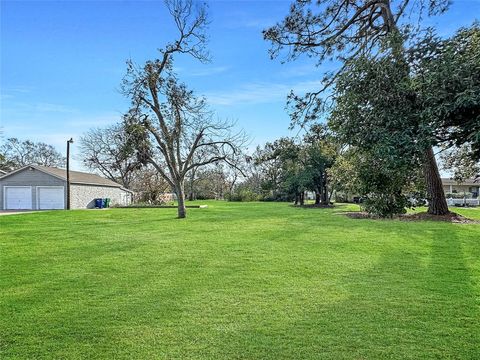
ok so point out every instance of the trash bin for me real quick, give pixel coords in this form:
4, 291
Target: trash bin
99, 203
106, 202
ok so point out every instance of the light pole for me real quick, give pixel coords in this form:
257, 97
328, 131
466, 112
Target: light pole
68, 172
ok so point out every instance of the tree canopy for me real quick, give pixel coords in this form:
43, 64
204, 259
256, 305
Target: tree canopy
16, 153
340, 31
108, 151
393, 119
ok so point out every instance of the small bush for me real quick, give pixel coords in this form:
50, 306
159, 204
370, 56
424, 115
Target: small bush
460, 195
385, 205
243, 195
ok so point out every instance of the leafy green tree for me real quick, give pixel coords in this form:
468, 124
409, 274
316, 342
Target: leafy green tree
282, 166
397, 120
374, 113
343, 31
295, 177
383, 187
268, 167
343, 174
446, 80
321, 152
289, 167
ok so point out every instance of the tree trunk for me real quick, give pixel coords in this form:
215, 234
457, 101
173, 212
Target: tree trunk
317, 197
182, 211
437, 203
191, 195
330, 194
302, 198
325, 191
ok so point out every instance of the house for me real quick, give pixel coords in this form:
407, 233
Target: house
36, 187
469, 187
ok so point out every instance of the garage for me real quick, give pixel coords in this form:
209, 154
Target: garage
36, 187
50, 197
18, 197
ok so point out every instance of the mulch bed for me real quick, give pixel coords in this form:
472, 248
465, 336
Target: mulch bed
452, 217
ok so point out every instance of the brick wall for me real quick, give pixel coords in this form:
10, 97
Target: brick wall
83, 196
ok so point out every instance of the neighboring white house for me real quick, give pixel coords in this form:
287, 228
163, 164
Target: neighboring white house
462, 193
35, 187
469, 186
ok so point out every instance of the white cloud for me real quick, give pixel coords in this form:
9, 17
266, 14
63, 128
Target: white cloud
22, 89
205, 71
259, 92
301, 70
14, 108
242, 19
48, 107
257, 23
208, 71
86, 121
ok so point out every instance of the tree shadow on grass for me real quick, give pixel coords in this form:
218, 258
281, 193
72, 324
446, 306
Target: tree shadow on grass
407, 305
412, 301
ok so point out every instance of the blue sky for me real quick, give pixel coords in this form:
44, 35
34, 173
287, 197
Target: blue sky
62, 63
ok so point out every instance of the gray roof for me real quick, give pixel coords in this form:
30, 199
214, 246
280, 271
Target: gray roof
471, 182
76, 177
2, 172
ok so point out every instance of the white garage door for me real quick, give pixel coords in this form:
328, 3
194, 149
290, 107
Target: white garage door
50, 197
18, 197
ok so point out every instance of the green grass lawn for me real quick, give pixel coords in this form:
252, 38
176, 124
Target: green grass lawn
237, 281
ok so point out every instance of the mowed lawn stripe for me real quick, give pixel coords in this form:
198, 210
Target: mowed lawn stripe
237, 281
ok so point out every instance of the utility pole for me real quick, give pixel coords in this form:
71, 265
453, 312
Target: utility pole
68, 172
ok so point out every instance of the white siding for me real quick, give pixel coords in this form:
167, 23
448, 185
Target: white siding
28, 177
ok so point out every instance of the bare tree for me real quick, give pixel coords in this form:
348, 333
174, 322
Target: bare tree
459, 163
18, 153
149, 186
217, 180
175, 131
106, 150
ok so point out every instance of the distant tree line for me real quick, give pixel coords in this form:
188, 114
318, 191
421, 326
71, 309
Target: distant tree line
15, 153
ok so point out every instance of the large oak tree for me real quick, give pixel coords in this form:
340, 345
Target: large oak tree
393, 119
343, 30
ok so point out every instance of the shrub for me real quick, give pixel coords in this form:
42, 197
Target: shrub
243, 195
385, 205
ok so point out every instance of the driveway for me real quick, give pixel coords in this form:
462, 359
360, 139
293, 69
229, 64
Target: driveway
13, 212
